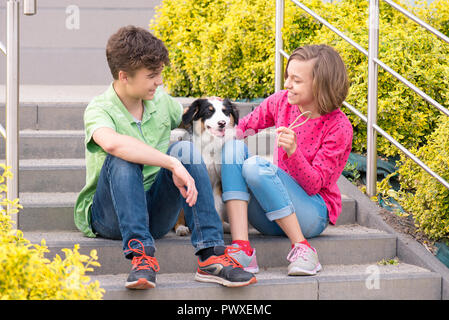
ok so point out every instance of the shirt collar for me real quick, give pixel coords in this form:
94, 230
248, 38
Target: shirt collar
149, 106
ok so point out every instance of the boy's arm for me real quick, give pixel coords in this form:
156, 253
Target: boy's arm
134, 150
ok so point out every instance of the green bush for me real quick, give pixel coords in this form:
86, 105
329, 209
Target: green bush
25, 272
226, 48
422, 194
222, 48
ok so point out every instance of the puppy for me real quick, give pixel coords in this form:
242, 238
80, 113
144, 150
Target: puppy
212, 122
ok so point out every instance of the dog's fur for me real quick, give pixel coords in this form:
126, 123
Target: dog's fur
212, 122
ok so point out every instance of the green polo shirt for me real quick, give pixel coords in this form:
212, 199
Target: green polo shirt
160, 116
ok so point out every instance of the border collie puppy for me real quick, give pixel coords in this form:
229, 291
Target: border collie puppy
212, 122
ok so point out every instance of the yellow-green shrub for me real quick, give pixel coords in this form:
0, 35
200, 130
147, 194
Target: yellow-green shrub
25, 272
222, 48
226, 48
404, 46
423, 195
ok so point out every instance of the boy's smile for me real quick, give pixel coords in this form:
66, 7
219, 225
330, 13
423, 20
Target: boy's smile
143, 84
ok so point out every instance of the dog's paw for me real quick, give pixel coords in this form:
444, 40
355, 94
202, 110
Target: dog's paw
182, 231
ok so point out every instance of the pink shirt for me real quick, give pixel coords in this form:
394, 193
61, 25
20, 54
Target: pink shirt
323, 147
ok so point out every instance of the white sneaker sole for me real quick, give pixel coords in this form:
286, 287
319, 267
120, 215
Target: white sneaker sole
296, 271
140, 284
210, 278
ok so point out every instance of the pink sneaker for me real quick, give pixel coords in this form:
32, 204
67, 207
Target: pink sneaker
304, 261
249, 263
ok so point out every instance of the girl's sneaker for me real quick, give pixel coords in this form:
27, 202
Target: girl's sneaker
304, 261
249, 263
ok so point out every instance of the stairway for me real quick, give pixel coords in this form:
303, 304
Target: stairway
52, 172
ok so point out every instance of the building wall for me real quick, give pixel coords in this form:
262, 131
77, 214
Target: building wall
64, 43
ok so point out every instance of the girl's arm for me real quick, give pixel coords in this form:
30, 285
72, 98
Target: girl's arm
260, 118
327, 165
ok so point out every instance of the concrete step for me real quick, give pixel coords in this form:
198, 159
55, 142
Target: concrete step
49, 211
49, 144
68, 114
345, 244
52, 175
69, 144
334, 282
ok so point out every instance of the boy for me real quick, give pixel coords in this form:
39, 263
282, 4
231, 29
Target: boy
135, 182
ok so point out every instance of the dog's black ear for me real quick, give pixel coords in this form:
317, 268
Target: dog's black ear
191, 112
235, 113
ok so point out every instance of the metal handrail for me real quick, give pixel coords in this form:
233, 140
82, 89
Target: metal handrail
373, 62
2, 48
12, 91
418, 20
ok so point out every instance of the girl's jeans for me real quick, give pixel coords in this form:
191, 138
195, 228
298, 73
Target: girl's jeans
272, 193
122, 209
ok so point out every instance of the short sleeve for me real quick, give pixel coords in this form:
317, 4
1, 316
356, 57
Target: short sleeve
95, 118
175, 112
173, 107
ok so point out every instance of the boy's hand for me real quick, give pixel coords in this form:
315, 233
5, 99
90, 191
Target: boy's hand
287, 140
184, 182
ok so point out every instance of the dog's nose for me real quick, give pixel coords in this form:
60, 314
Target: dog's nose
221, 123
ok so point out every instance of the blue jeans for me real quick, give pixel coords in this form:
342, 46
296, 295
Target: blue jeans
122, 209
272, 193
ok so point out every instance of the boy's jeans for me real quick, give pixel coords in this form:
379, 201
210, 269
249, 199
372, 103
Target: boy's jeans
121, 208
272, 193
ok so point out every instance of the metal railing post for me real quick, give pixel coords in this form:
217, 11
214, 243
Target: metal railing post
279, 59
373, 49
12, 98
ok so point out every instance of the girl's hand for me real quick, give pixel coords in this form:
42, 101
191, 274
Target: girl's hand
287, 140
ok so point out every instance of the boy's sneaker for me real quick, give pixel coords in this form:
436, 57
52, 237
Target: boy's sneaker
223, 269
249, 263
304, 261
145, 266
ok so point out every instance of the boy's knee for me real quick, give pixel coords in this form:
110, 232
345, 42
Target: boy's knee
121, 166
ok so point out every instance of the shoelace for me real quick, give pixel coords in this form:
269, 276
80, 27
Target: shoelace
293, 126
296, 252
138, 261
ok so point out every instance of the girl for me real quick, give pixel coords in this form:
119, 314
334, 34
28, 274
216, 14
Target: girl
297, 196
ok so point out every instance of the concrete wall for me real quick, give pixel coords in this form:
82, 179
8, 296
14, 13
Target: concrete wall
56, 49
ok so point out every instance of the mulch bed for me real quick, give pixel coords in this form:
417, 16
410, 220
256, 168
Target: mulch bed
406, 225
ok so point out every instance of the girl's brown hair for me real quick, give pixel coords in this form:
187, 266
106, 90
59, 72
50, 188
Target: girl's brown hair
132, 48
330, 80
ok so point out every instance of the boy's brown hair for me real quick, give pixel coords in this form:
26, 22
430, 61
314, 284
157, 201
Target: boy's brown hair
330, 80
132, 48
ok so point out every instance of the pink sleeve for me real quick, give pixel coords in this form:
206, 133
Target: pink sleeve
327, 165
260, 118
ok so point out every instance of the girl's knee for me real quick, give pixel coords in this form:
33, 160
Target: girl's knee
255, 167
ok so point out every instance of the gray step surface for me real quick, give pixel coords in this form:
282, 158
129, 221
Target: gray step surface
50, 211
336, 282
345, 244
69, 144
68, 114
